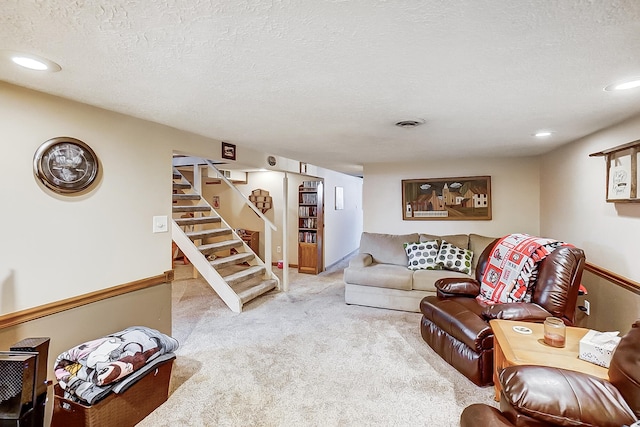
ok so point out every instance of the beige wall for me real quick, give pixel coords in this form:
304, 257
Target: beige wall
573, 208
573, 202
56, 247
515, 192
613, 308
239, 215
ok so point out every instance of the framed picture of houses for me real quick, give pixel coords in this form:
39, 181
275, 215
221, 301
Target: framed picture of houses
457, 198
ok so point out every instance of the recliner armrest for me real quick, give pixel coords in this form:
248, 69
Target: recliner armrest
526, 312
562, 397
361, 260
457, 286
479, 414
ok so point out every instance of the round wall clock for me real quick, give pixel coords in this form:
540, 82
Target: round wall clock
65, 165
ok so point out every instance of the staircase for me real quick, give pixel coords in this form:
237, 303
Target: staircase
230, 267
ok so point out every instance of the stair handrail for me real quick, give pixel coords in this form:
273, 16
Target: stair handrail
245, 198
200, 262
268, 225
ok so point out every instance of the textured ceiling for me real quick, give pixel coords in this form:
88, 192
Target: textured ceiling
323, 81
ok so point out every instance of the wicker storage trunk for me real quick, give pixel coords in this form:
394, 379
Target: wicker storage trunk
121, 410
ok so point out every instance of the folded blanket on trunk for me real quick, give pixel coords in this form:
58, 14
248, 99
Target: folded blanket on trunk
513, 267
88, 371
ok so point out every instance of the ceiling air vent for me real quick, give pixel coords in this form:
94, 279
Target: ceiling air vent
408, 124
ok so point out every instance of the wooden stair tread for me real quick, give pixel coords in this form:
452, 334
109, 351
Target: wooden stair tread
191, 209
239, 258
186, 197
219, 246
203, 234
180, 185
244, 274
198, 221
257, 290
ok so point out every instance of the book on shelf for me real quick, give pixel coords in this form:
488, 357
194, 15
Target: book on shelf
308, 211
307, 237
308, 223
310, 184
309, 198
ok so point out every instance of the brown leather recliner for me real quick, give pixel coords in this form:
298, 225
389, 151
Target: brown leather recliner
456, 325
537, 396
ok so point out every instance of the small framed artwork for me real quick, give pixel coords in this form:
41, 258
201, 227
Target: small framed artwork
623, 177
303, 168
215, 203
458, 198
339, 198
228, 151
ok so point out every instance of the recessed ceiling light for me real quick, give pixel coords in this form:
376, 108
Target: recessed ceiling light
543, 134
33, 62
30, 63
630, 83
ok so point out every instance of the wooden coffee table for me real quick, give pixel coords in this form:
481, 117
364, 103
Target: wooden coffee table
511, 348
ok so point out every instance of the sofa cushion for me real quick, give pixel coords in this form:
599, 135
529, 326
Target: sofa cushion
422, 256
454, 258
477, 244
424, 280
387, 248
459, 240
360, 260
381, 276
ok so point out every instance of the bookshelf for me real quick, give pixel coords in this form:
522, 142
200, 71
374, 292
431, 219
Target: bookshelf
310, 227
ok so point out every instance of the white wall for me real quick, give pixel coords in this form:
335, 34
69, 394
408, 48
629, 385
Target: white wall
56, 247
515, 193
573, 206
342, 228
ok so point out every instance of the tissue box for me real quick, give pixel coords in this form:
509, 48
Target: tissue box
597, 347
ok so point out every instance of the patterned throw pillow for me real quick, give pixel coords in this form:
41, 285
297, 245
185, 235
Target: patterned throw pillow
422, 255
454, 258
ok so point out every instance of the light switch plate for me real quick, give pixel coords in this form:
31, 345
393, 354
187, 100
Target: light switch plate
160, 224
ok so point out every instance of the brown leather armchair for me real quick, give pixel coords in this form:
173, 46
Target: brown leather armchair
539, 396
456, 325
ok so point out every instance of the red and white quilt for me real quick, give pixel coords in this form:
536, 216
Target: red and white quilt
513, 266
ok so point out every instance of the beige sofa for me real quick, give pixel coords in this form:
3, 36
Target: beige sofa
378, 276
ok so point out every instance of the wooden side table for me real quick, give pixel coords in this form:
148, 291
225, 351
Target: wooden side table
511, 348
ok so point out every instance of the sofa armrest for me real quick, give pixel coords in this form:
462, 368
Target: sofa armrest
361, 260
561, 397
457, 286
523, 311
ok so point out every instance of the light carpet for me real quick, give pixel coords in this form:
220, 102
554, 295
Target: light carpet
305, 358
